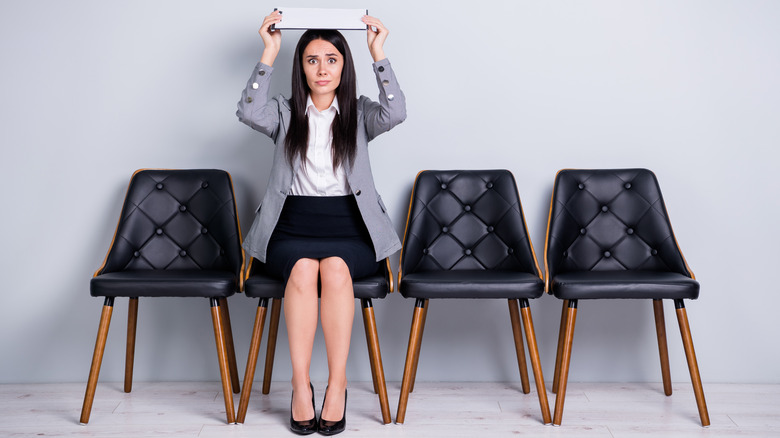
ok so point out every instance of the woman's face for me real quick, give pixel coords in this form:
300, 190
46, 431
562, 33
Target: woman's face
322, 65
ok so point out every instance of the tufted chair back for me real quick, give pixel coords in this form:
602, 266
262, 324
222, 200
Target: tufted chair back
466, 220
610, 220
177, 220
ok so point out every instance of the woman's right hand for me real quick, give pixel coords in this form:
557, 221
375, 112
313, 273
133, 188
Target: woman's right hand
271, 39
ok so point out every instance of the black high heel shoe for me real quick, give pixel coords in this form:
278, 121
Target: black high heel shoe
306, 427
333, 427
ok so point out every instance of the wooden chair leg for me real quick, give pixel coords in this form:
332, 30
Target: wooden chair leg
375, 355
97, 359
412, 352
663, 350
693, 367
571, 318
231, 351
514, 315
561, 330
367, 327
251, 362
219, 331
417, 354
536, 365
273, 330
132, 321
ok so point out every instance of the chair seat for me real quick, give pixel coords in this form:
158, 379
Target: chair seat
471, 284
160, 283
624, 284
260, 285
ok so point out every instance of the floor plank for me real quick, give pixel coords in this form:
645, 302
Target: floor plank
435, 409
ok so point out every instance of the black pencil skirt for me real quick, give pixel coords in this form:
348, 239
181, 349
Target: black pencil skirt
317, 227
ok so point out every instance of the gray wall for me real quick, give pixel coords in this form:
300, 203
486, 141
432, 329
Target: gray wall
93, 90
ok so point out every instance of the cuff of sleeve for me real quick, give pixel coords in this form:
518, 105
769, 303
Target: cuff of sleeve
263, 69
382, 63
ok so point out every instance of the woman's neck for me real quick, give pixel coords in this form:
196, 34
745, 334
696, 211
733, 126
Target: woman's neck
322, 101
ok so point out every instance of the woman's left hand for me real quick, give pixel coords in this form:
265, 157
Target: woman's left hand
376, 38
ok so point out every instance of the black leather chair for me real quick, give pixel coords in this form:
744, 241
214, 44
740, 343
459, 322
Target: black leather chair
466, 238
259, 284
178, 236
609, 236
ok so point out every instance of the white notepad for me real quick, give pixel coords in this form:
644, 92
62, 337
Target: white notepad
320, 18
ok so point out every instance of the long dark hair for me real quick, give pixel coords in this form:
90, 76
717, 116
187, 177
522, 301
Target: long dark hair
344, 127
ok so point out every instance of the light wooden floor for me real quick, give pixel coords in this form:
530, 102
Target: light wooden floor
444, 409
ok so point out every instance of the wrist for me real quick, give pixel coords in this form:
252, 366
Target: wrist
378, 55
268, 57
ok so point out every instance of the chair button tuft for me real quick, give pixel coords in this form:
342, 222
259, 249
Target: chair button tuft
490, 229
137, 254
654, 252
467, 252
489, 185
511, 250
467, 208
565, 253
204, 185
183, 253
582, 231
425, 251
627, 186
182, 208
630, 231
604, 208
445, 229
159, 231
607, 254
580, 186
443, 186
159, 186
204, 230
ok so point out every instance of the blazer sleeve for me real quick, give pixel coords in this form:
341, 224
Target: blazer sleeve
382, 116
255, 109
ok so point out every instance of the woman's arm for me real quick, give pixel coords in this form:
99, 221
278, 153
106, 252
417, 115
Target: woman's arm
391, 109
254, 108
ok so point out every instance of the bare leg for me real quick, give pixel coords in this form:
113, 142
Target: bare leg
337, 313
300, 314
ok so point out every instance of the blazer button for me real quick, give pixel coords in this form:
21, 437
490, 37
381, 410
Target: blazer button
390, 97
254, 86
249, 99
261, 72
385, 82
381, 69
358, 193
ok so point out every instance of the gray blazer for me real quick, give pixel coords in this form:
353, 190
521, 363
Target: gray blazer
272, 118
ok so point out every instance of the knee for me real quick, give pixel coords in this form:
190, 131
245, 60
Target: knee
334, 271
304, 276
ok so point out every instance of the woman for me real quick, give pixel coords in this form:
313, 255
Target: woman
321, 220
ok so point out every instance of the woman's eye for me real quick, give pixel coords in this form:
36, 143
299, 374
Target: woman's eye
312, 61
332, 60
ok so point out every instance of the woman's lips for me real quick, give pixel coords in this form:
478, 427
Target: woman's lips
322, 83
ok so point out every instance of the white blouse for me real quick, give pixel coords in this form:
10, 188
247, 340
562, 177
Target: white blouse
316, 176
